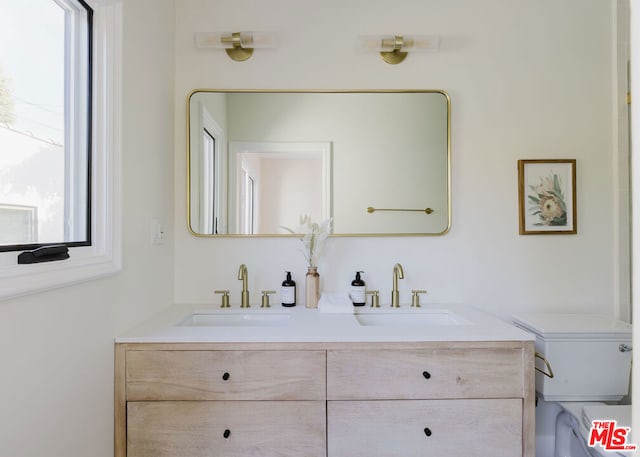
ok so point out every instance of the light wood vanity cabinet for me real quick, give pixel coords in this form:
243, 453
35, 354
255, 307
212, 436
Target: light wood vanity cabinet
325, 399
226, 428
225, 375
424, 374
190, 402
426, 402
425, 428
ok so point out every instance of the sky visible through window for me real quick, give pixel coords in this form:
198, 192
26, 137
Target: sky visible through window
32, 58
32, 72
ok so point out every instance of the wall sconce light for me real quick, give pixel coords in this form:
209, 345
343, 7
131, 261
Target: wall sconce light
239, 45
394, 48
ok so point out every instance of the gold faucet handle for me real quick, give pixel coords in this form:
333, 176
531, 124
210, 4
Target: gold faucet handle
375, 298
265, 298
415, 297
225, 298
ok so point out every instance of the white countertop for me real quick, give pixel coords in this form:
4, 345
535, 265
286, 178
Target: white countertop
300, 324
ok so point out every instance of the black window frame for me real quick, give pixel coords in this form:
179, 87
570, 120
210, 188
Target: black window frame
89, 143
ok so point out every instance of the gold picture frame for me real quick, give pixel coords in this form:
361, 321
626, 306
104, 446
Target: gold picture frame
547, 197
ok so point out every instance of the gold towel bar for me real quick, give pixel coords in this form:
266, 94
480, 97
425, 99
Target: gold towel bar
371, 209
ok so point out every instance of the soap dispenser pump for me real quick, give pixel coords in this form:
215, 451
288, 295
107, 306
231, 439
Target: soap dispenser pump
288, 291
358, 290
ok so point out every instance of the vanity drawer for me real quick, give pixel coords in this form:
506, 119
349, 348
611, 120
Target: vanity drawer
425, 428
226, 428
225, 375
425, 374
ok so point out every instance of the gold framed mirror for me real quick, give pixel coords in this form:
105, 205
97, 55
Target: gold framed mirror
377, 162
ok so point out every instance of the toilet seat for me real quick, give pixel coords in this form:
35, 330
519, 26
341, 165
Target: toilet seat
583, 413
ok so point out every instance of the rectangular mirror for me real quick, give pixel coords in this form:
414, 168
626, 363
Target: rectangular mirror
377, 162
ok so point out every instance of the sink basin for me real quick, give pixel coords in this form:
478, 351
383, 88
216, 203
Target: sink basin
235, 320
413, 319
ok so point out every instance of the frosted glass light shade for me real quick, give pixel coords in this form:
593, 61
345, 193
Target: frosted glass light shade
386, 43
225, 40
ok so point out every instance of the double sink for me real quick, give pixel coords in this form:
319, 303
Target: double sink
415, 317
410, 317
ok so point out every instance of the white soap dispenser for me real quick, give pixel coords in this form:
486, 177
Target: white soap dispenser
358, 290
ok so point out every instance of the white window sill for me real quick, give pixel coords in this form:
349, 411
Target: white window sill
17, 280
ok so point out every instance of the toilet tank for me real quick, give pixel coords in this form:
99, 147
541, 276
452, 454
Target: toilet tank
589, 354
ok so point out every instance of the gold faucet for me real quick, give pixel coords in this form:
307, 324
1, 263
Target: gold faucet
244, 277
398, 273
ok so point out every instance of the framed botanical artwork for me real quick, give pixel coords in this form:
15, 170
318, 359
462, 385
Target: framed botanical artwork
547, 196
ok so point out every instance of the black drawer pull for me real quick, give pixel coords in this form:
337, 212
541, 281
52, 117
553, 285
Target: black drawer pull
426, 374
427, 431
227, 433
225, 376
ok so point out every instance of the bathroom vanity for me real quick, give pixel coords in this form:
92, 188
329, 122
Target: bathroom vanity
424, 382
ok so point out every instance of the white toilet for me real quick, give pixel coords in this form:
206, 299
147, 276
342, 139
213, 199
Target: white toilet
582, 361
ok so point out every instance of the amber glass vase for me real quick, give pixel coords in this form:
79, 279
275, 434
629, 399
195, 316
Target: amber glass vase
312, 287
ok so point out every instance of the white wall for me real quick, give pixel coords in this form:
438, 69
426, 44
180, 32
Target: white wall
526, 79
281, 198
56, 348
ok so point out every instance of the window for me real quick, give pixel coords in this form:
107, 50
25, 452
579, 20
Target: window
208, 177
19, 224
95, 247
247, 205
45, 123
209, 210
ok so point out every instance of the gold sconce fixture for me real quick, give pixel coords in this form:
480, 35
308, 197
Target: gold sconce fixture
394, 48
238, 45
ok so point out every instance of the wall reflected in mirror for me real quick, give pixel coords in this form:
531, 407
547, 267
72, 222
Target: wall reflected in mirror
258, 160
